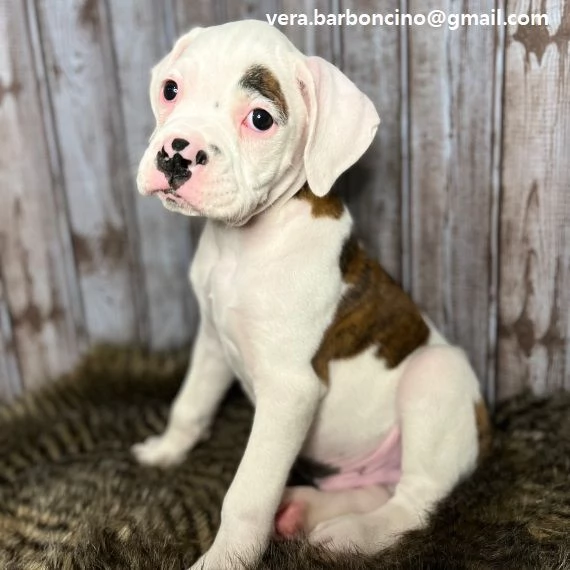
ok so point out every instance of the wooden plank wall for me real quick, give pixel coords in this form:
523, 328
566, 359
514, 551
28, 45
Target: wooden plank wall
464, 194
535, 206
451, 191
43, 324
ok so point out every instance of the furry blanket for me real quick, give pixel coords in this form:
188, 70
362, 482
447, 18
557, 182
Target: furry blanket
71, 496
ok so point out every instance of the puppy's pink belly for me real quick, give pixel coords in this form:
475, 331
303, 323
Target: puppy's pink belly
381, 467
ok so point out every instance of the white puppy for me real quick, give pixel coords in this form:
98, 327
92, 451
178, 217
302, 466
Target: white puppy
342, 368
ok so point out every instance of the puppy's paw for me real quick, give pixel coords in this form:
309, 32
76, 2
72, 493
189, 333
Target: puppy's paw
238, 557
367, 532
354, 532
290, 519
209, 562
159, 451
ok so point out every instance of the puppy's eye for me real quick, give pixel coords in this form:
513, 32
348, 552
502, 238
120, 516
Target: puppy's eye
260, 120
170, 90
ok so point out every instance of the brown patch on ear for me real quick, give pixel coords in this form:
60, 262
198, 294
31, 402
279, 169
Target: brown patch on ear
259, 78
484, 430
326, 207
374, 311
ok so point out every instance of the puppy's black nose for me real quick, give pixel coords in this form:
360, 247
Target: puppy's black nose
175, 169
179, 144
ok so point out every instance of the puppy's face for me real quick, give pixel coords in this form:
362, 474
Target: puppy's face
235, 108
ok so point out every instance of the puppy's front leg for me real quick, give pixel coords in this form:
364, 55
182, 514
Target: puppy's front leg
206, 382
285, 407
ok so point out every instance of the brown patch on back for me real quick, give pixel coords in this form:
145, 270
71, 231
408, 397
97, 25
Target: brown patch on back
484, 430
327, 206
260, 79
375, 311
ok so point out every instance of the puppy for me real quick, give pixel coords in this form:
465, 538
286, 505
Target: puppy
343, 369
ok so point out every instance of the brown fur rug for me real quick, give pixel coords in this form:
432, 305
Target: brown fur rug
72, 497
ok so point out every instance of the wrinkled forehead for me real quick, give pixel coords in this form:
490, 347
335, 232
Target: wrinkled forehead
256, 58
240, 40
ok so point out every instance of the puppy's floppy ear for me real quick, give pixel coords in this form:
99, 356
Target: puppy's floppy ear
342, 122
180, 45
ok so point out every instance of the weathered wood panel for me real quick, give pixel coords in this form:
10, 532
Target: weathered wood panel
373, 188
187, 15
452, 91
84, 92
311, 40
10, 377
445, 197
39, 305
141, 40
251, 9
535, 214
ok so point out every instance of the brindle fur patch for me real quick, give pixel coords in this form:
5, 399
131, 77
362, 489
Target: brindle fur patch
374, 311
484, 430
260, 79
328, 206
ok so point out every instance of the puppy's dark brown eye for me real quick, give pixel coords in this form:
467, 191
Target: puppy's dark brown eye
261, 119
170, 90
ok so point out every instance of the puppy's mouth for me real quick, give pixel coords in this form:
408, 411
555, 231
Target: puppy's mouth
169, 196
165, 192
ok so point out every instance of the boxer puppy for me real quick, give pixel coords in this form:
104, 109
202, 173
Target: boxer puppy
343, 369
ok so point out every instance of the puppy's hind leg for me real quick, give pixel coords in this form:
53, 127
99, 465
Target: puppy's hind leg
193, 410
303, 508
436, 404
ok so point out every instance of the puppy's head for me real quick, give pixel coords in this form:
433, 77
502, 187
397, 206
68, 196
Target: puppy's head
243, 119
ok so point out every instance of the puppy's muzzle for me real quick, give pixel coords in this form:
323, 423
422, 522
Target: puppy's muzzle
176, 159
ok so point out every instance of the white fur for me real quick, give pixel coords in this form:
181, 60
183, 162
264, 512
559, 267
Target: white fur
267, 291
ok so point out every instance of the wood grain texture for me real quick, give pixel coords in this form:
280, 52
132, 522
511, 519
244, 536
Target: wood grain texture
186, 15
310, 40
10, 376
535, 213
250, 9
140, 41
373, 187
464, 195
452, 76
83, 86
39, 299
